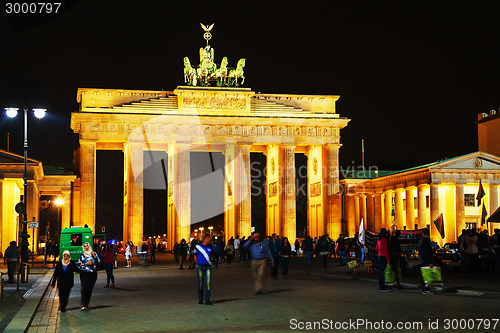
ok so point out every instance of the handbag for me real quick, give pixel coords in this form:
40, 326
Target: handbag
431, 275
390, 276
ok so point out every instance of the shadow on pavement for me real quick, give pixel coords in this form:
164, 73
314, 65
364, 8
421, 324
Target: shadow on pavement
226, 300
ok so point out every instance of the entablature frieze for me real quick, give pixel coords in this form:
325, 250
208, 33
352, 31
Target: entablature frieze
255, 133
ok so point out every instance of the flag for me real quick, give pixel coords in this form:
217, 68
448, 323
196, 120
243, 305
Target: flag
484, 213
439, 223
480, 193
361, 233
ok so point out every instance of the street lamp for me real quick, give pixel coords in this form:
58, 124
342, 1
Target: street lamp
11, 112
201, 230
59, 202
210, 228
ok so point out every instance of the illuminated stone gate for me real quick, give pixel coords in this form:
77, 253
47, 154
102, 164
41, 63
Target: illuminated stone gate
234, 121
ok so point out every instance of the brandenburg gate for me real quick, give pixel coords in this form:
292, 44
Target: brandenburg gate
229, 119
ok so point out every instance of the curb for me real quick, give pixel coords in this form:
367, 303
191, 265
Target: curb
24, 316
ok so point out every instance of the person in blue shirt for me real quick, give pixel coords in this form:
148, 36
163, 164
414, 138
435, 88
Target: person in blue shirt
275, 247
259, 252
202, 253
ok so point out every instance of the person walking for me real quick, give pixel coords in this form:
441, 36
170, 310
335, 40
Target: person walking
259, 251
88, 273
323, 250
395, 256
229, 250
308, 248
341, 246
175, 250
217, 251
64, 277
152, 252
202, 254
425, 251
275, 247
192, 246
109, 256
236, 245
11, 258
382, 249
286, 252
128, 254
183, 248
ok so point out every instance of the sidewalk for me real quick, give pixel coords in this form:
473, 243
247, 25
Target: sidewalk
14, 301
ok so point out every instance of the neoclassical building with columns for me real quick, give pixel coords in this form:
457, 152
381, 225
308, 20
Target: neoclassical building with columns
40, 182
231, 120
414, 198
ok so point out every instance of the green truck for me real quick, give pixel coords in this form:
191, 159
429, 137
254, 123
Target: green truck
72, 240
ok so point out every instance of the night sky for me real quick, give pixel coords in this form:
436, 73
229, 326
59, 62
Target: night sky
412, 76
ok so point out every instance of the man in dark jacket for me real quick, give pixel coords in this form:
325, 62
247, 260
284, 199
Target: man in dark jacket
11, 257
425, 251
182, 252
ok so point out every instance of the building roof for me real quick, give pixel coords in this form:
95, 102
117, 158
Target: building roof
50, 170
365, 174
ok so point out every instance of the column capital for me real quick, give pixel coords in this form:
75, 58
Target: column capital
245, 144
332, 146
87, 142
289, 145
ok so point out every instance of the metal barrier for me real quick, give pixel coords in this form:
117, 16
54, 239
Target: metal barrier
1, 285
25, 270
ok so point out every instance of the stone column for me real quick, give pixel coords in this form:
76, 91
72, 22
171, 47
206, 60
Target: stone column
351, 215
87, 188
357, 211
423, 215
388, 209
460, 208
66, 209
135, 195
434, 197
334, 213
410, 209
370, 212
289, 198
362, 210
378, 214
182, 190
245, 192
399, 209
493, 199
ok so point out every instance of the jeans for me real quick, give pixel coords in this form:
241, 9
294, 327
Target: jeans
109, 273
309, 256
284, 265
204, 275
342, 256
382, 264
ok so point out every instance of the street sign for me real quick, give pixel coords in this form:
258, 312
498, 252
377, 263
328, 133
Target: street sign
33, 224
368, 263
352, 264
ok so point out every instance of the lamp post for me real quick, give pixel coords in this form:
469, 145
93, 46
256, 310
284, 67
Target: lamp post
201, 230
210, 228
11, 113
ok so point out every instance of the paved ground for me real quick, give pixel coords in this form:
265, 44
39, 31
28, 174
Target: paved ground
160, 298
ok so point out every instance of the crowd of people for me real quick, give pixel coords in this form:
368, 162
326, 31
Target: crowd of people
478, 251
